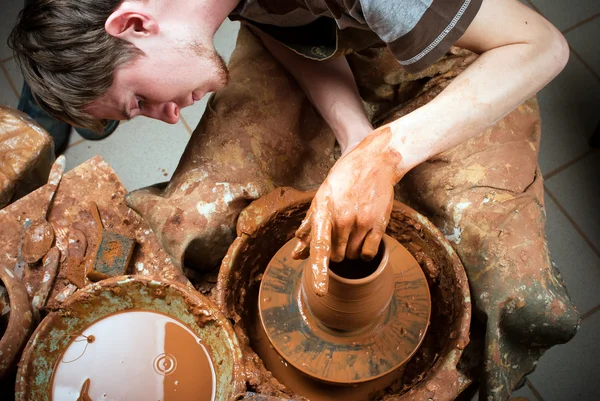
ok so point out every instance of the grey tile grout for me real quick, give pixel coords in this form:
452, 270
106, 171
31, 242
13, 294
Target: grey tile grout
76, 143
185, 124
580, 23
9, 79
572, 221
590, 312
585, 64
568, 164
534, 7
535, 392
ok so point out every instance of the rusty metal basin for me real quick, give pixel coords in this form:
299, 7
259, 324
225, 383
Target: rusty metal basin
128, 294
268, 223
19, 324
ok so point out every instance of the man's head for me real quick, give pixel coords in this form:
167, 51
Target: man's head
92, 60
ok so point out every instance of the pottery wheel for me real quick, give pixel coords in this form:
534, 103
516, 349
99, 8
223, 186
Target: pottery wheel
343, 357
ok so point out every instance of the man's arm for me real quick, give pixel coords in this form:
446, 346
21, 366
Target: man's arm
520, 53
331, 88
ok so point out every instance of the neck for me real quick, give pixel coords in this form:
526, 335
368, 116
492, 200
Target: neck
207, 14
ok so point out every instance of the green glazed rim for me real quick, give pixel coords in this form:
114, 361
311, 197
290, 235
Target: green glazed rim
93, 303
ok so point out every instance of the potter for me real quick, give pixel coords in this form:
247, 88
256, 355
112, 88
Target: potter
413, 117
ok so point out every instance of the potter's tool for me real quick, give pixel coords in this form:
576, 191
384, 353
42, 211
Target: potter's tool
112, 254
76, 248
368, 326
50, 269
39, 235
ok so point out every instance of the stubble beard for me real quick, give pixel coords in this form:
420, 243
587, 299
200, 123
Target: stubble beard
215, 61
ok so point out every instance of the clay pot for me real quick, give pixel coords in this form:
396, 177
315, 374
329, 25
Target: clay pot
268, 223
352, 302
19, 324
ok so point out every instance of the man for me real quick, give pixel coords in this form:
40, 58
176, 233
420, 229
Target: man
480, 186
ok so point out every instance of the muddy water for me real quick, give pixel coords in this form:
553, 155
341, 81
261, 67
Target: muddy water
135, 355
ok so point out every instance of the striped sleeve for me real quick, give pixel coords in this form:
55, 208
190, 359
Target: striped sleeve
419, 32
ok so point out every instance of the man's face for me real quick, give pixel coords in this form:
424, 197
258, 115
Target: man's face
170, 75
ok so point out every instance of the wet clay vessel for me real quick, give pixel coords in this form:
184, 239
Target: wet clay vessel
371, 321
20, 320
172, 339
267, 225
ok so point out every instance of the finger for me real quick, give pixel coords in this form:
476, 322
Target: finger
371, 245
356, 241
303, 233
302, 249
373, 239
341, 236
304, 230
320, 248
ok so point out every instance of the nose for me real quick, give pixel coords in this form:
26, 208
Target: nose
167, 112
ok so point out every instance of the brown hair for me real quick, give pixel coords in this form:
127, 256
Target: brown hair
67, 57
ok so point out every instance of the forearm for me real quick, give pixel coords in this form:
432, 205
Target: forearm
331, 88
494, 85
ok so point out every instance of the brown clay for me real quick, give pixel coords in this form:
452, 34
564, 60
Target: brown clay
357, 295
76, 248
95, 181
37, 241
266, 225
315, 390
26, 154
19, 324
363, 329
50, 268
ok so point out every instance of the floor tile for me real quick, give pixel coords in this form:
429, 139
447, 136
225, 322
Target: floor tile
526, 2
224, 40
524, 392
564, 14
14, 72
226, 37
75, 138
578, 191
570, 372
8, 16
7, 95
578, 264
570, 108
141, 151
584, 40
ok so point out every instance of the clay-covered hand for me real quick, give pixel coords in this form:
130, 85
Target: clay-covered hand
350, 212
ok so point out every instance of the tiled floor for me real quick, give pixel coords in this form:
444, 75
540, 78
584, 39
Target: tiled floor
144, 152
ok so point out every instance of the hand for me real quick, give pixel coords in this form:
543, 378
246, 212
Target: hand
351, 210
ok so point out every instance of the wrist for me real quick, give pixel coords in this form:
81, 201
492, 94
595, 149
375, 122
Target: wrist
418, 136
349, 128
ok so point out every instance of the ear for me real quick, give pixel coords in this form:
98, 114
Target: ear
130, 25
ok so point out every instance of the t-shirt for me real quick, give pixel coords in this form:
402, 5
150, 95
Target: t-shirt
418, 32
